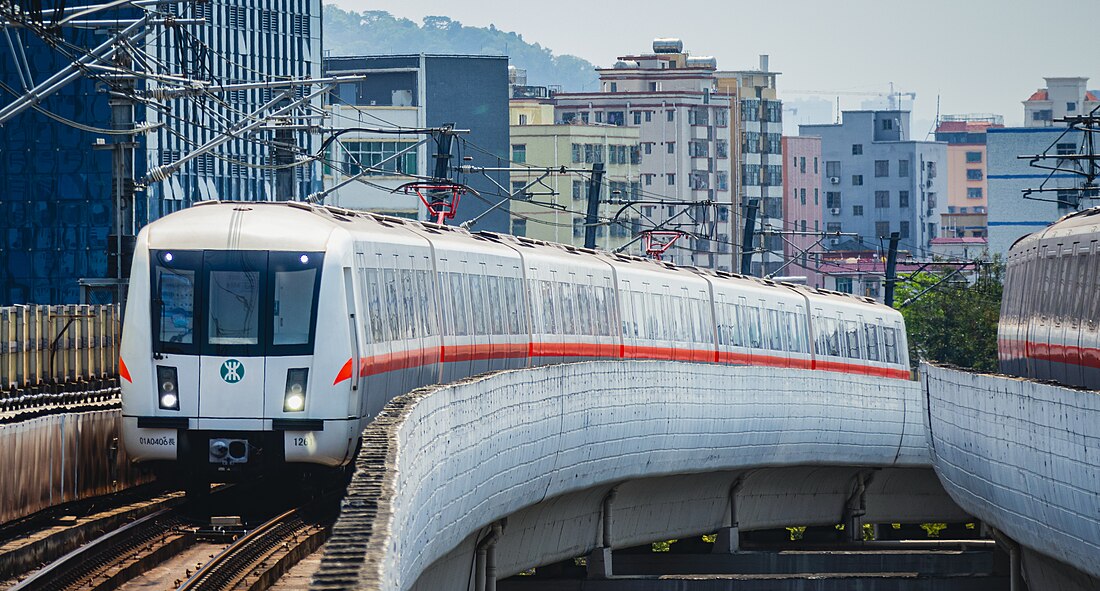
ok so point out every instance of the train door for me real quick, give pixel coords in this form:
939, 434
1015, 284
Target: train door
232, 367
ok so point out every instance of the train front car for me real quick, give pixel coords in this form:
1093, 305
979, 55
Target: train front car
227, 355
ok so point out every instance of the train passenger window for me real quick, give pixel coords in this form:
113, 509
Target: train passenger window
495, 308
600, 304
396, 327
736, 321
774, 330
373, 297
794, 343
703, 322
832, 337
585, 324
175, 305
851, 338
549, 307
293, 306
567, 309
870, 332
234, 308
752, 321
480, 325
890, 340
426, 289
409, 308
458, 301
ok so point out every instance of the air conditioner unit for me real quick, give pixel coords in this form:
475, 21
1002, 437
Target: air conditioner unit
834, 180
834, 211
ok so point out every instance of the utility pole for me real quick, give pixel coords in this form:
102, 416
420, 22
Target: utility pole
748, 237
283, 155
120, 242
442, 172
591, 219
891, 269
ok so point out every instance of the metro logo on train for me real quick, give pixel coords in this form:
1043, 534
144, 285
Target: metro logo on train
335, 312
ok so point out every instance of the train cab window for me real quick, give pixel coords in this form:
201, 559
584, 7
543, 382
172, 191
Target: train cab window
173, 305
293, 304
234, 290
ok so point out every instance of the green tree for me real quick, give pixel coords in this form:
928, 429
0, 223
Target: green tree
955, 320
376, 32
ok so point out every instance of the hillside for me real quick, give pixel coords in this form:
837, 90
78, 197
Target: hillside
379, 32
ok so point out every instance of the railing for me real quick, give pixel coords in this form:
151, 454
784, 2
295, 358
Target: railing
42, 346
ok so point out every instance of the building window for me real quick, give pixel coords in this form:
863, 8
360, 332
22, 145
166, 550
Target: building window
857, 210
578, 153
616, 118
368, 155
903, 198
519, 227
882, 168
671, 114
815, 164
833, 228
802, 165
648, 116
974, 193
974, 174
671, 146
1042, 115
931, 230
815, 196
887, 124
857, 149
519, 190
614, 87
832, 199
649, 147
519, 153
882, 199
802, 196
523, 121
648, 179
882, 229
973, 157
671, 178
903, 230
903, 168
857, 179
578, 187
599, 116
1071, 106
832, 168
637, 117
1066, 149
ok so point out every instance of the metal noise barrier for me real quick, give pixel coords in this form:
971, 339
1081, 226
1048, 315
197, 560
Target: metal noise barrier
58, 356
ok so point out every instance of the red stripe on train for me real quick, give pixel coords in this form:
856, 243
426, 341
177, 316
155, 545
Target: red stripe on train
387, 362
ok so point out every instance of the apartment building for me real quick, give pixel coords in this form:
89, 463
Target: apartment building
967, 185
684, 138
802, 206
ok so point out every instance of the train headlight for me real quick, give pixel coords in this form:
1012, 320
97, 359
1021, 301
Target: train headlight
294, 398
167, 388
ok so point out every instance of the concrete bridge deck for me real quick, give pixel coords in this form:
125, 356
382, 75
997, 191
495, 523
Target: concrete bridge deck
600, 455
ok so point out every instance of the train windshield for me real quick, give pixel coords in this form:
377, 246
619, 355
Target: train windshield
246, 303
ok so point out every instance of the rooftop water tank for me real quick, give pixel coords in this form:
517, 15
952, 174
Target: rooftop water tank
668, 45
702, 62
626, 65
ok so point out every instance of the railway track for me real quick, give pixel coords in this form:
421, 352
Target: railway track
253, 561
256, 560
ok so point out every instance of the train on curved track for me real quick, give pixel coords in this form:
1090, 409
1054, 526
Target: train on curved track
1050, 315
262, 336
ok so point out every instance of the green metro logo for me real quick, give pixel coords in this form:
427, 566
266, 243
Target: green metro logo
232, 371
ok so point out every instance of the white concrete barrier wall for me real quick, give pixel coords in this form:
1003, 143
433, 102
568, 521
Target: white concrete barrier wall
464, 455
1021, 456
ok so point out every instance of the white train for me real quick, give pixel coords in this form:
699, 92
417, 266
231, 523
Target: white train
264, 335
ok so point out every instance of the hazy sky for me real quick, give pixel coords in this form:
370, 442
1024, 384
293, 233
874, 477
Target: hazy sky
977, 55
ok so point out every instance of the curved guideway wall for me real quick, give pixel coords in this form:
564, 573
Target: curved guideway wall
442, 463
1022, 456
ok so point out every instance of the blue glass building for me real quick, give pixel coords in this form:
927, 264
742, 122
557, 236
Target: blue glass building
56, 202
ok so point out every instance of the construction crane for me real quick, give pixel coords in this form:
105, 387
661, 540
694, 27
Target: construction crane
892, 95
